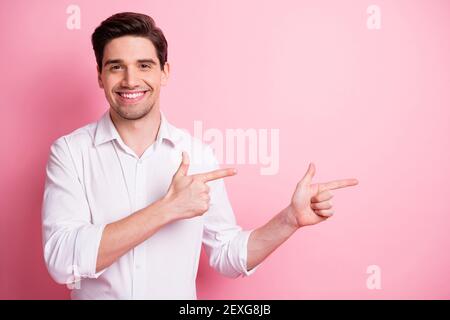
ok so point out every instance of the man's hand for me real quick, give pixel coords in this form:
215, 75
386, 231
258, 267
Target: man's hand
188, 195
311, 203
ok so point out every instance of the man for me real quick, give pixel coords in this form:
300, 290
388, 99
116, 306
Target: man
128, 204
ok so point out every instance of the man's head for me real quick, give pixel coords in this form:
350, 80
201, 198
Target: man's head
131, 54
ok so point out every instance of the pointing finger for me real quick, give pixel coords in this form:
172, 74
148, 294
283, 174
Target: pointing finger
336, 184
216, 174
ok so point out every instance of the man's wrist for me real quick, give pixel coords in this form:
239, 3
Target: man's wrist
162, 209
290, 218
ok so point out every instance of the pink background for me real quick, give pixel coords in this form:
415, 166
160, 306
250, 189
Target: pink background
373, 105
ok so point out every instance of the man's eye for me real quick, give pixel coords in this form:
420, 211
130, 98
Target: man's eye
116, 67
145, 66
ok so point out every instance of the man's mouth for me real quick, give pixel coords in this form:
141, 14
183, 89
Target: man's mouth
131, 96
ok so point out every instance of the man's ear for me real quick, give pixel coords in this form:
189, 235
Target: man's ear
99, 78
165, 74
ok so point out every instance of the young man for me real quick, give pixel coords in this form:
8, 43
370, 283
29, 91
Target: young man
128, 204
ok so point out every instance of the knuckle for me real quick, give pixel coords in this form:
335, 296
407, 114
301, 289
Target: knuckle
202, 208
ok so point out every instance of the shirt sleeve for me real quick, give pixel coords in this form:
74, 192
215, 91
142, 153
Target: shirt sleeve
70, 240
225, 242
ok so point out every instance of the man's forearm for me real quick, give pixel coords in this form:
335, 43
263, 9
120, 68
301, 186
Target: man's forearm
264, 240
121, 236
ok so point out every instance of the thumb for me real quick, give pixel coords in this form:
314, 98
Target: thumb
309, 174
184, 165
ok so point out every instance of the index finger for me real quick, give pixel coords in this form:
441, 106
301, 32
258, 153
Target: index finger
216, 174
336, 184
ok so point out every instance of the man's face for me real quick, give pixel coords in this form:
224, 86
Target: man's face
131, 76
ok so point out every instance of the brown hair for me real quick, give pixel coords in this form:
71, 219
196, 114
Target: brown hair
129, 23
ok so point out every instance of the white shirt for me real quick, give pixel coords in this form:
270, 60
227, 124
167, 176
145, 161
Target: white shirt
94, 179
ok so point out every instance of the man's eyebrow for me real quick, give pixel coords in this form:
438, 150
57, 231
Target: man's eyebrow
112, 61
151, 61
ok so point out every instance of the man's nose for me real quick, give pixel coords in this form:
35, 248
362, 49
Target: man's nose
130, 79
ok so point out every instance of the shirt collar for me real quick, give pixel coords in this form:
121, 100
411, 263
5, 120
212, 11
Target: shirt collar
106, 131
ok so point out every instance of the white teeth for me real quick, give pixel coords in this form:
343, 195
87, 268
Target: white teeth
132, 95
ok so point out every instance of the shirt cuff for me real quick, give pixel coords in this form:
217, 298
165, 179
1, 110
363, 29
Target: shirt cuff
86, 250
244, 236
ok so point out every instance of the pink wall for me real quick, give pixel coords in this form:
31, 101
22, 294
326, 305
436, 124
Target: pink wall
369, 104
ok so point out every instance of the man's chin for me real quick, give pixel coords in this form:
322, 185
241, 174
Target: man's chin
127, 112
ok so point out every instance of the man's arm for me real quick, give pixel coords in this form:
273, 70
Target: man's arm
187, 197
309, 205
121, 236
264, 240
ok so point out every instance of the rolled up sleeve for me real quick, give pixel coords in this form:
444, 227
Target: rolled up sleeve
70, 240
225, 242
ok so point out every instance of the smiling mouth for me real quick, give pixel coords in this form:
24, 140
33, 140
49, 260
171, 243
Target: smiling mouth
131, 97
131, 94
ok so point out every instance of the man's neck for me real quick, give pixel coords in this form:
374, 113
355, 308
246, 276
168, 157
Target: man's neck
138, 134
